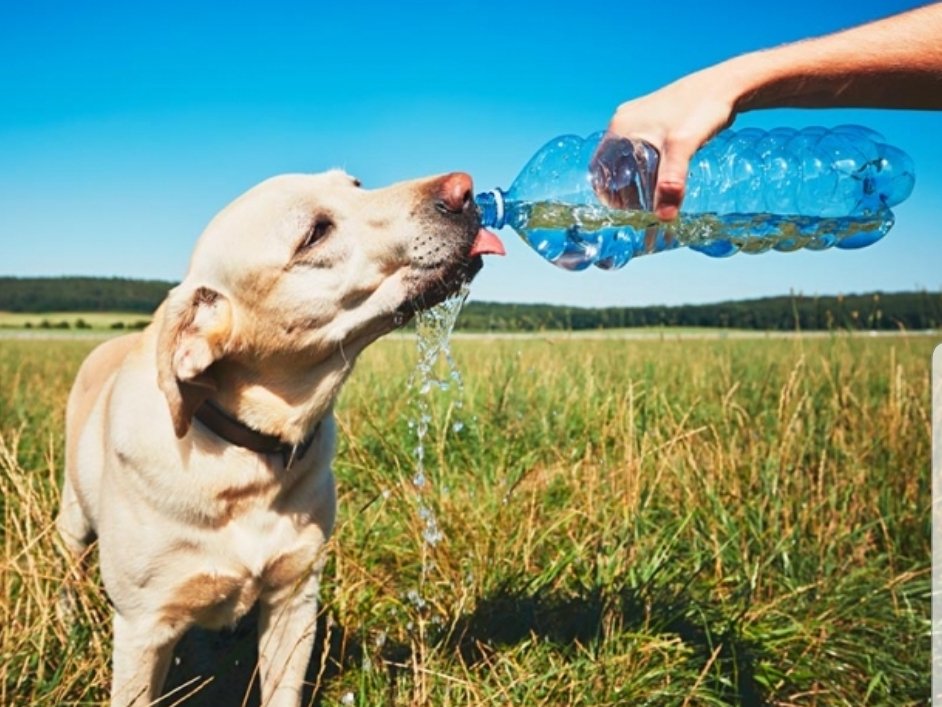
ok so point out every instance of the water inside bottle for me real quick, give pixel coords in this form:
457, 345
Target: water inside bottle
575, 236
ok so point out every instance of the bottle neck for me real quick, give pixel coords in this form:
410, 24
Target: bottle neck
491, 206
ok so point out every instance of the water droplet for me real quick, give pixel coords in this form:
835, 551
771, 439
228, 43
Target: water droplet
432, 536
416, 599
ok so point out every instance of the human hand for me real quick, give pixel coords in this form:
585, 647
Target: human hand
675, 120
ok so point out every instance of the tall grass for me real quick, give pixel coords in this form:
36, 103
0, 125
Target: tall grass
650, 522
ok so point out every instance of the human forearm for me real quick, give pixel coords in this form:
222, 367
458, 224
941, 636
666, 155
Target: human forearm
891, 63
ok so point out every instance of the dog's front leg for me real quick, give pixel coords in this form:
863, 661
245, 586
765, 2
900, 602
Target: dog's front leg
141, 661
286, 636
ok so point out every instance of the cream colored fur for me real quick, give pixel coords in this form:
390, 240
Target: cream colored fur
191, 529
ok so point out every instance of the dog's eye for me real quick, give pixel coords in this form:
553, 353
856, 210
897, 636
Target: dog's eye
357, 183
319, 230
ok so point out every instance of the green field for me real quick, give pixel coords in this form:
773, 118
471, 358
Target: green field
652, 522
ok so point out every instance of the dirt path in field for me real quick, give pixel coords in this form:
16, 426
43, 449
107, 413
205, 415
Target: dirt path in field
21, 335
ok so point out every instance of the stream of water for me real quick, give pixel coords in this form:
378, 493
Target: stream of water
436, 373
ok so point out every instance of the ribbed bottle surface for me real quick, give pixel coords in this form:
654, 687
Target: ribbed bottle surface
748, 190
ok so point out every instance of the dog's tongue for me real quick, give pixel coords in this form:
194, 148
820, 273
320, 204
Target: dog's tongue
486, 243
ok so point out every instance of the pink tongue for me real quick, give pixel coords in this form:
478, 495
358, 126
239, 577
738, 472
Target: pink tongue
486, 243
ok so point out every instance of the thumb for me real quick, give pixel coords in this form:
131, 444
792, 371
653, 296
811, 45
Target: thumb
672, 179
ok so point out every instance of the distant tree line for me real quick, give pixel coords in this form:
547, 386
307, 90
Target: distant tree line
876, 310
81, 294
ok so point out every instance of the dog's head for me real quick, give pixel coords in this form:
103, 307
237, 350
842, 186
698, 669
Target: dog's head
303, 271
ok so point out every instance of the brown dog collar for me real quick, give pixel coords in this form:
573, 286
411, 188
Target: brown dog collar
232, 430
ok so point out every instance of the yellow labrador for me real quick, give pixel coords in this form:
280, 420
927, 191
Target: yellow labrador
199, 450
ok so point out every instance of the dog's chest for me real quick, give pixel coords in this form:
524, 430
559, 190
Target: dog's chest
258, 555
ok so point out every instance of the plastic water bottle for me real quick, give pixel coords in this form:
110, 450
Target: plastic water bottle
747, 190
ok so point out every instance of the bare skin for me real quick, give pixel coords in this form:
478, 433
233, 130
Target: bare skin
895, 62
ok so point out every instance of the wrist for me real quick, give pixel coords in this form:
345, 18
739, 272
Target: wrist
747, 78
726, 83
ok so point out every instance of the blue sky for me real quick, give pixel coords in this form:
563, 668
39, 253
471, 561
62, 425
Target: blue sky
125, 126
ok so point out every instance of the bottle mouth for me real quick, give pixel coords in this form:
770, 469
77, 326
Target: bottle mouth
491, 208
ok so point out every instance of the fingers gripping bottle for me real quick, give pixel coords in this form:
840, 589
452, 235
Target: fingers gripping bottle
581, 202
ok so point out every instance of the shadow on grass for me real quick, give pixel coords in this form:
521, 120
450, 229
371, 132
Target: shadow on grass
509, 616
506, 617
219, 668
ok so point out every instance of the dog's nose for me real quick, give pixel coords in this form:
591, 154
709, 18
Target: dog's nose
454, 193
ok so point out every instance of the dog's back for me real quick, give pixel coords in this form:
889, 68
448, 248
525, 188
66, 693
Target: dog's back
77, 520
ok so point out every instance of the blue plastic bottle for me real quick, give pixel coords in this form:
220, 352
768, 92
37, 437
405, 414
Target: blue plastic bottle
747, 190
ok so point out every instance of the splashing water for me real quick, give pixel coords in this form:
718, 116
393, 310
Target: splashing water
436, 371
433, 329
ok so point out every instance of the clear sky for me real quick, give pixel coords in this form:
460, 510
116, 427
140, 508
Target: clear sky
124, 126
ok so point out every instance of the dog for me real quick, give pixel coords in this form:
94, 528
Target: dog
198, 452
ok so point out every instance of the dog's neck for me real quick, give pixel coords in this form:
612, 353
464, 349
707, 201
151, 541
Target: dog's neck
233, 431
280, 400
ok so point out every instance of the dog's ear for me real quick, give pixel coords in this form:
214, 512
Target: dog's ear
194, 333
